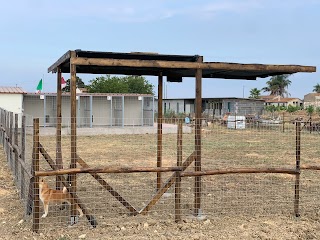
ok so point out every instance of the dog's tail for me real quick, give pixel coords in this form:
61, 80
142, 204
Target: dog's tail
64, 190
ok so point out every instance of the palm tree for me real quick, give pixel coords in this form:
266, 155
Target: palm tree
316, 88
278, 85
254, 93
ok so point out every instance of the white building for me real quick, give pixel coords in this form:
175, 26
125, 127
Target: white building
94, 109
11, 99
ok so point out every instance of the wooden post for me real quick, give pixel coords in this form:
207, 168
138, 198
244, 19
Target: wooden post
16, 153
283, 122
35, 168
177, 188
23, 152
159, 129
197, 187
73, 163
11, 140
59, 163
297, 181
310, 124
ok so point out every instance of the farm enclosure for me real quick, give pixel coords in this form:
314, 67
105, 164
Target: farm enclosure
197, 185
255, 195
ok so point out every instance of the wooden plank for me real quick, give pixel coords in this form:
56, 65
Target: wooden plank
197, 141
65, 57
105, 170
59, 162
177, 187
16, 152
240, 171
106, 186
221, 66
11, 141
73, 163
22, 156
159, 129
309, 167
35, 167
297, 181
75, 199
171, 180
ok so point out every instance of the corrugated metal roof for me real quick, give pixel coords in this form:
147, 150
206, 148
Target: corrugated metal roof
12, 90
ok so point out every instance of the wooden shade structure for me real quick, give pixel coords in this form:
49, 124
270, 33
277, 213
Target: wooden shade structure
175, 68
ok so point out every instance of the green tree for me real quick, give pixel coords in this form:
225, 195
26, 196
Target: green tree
116, 84
255, 93
278, 85
316, 88
292, 109
310, 110
79, 84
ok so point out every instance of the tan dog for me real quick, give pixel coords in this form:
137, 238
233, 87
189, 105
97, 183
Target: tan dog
48, 195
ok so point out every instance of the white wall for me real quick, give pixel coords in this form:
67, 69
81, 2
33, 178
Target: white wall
132, 111
11, 102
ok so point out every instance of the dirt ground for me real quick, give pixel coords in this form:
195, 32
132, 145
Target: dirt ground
14, 224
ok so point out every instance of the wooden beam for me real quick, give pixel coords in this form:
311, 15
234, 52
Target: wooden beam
16, 153
106, 186
239, 171
61, 60
23, 169
35, 168
159, 129
171, 180
59, 162
73, 138
177, 187
309, 167
197, 138
190, 65
106, 170
297, 180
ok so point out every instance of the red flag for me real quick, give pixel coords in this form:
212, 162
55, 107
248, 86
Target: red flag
63, 83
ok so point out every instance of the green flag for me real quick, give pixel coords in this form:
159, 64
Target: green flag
39, 87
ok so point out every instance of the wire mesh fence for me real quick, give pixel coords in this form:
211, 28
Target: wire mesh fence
111, 198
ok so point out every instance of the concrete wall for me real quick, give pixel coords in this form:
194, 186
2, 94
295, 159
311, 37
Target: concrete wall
11, 102
244, 106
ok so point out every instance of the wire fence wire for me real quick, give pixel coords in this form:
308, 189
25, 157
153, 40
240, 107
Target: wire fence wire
112, 198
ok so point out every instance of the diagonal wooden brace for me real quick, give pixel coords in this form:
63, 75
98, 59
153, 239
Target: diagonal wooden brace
108, 188
74, 198
167, 185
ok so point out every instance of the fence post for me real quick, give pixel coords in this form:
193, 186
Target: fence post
283, 122
16, 153
22, 155
297, 181
35, 167
177, 188
11, 141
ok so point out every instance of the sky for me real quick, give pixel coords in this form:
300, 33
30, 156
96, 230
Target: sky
35, 33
